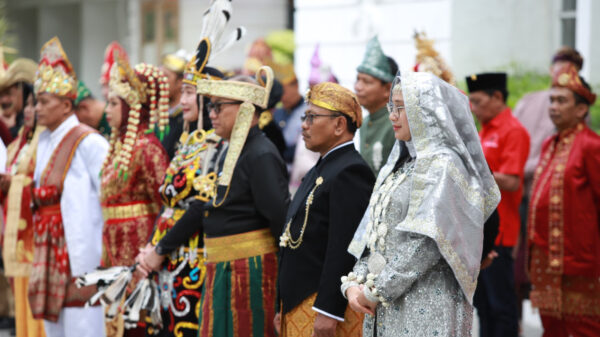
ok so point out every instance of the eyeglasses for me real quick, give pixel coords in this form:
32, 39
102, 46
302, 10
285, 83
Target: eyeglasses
217, 106
309, 118
395, 109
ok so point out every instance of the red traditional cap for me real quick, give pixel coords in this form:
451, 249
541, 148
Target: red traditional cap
568, 77
109, 59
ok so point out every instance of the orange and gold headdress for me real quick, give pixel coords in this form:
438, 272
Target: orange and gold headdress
429, 60
144, 85
568, 77
334, 97
55, 73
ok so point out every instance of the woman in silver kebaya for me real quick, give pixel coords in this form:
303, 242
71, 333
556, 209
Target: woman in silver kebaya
419, 243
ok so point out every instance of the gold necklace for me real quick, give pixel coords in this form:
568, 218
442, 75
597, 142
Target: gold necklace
286, 239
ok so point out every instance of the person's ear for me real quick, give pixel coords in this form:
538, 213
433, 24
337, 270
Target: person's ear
340, 126
498, 97
67, 105
581, 110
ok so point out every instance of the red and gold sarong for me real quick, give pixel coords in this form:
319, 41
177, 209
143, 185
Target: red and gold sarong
238, 297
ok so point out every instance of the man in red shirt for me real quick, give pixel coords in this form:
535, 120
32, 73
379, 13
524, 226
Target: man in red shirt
564, 215
505, 144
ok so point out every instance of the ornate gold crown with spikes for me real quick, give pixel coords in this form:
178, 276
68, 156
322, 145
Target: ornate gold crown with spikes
55, 74
124, 82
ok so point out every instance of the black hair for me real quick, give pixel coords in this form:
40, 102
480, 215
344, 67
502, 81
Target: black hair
504, 92
350, 125
580, 99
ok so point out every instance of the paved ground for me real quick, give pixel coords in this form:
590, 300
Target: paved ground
532, 327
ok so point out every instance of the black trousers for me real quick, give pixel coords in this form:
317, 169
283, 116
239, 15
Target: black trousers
495, 297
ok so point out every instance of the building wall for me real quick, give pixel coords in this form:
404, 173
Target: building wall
343, 27
258, 16
496, 34
588, 35
85, 27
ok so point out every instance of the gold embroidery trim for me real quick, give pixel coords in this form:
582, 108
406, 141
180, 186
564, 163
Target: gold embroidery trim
113, 212
239, 246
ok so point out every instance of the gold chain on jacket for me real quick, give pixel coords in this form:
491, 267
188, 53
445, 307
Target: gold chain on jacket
286, 239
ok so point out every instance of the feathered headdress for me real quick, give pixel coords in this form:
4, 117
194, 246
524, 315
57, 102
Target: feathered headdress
212, 40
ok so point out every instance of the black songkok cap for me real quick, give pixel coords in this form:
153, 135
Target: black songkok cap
487, 81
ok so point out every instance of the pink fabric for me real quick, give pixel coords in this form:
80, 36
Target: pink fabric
532, 111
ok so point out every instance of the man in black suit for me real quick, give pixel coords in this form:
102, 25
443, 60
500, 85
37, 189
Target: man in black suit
322, 218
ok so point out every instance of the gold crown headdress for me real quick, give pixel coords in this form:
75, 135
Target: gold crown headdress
55, 73
153, 90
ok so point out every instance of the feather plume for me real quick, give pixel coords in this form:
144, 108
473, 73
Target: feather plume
214, 23
232, 38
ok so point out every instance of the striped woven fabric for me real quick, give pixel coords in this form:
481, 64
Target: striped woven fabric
238, 298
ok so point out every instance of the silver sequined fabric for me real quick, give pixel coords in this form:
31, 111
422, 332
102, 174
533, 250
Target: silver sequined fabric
425, 298
433, 233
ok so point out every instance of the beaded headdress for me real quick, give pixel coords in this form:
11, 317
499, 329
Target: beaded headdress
125, 82
55, 74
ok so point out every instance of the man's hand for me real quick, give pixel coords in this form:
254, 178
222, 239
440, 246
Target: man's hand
324, 326
358, 302
277, 323
5, 182
488, 260
148, 260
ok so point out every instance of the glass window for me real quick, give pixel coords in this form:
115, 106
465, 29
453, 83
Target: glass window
569, 5
568, 32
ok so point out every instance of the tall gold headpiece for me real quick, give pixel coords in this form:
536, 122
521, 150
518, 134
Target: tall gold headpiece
55, 73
